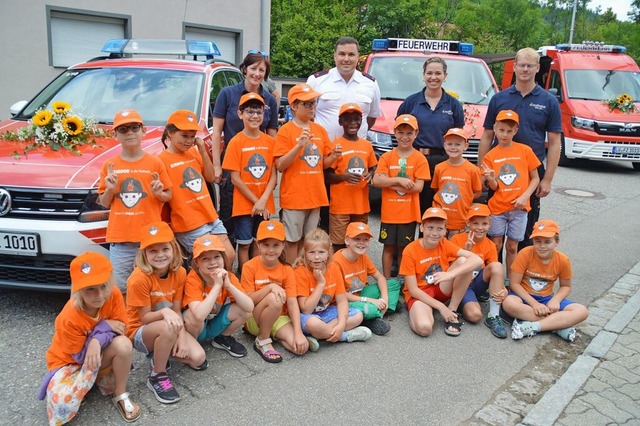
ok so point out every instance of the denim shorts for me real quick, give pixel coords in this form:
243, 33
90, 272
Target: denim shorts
186, 239
123, 257
326, 316
138, 342
216, 325
514, 222
246, 227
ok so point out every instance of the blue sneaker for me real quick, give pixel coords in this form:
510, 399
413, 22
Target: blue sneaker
497, 327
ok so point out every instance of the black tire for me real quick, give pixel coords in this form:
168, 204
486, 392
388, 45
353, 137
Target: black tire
564, 161
636, 166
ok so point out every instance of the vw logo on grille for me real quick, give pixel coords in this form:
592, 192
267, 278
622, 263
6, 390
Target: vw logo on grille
5, 202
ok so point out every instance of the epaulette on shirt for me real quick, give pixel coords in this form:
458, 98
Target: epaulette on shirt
321, 73
369, 76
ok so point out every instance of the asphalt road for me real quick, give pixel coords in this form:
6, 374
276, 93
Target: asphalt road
399, 378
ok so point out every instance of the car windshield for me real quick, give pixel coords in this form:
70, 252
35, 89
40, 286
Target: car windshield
99, 93
401, 76
599, 85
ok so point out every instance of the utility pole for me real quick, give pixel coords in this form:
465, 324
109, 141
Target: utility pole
573, 20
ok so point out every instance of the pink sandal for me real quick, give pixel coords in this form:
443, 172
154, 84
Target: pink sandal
262, 347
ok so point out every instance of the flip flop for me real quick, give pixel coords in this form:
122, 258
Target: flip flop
261, 347
129, 411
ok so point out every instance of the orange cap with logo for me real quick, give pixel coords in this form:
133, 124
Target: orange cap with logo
358, 228
406, 119
545, 228
350, 107
184, 120
154, 233
126, 116
250, 97
207, 243
302, 92
507, 114
456, 131
89, 269
434, 213
270, 229
477, 209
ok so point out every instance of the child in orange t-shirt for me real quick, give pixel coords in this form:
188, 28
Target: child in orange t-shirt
531, 298
214, 306
491, 277
349, 176
511, 170
324, 308
401, 174
456, 182
133, 185
154, 307
302, 152
249, 158
190, 168
271, 284
89, 345
436, 270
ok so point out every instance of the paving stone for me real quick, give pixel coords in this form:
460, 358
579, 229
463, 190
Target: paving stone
590, 417
594, 385
495, 415
607, 408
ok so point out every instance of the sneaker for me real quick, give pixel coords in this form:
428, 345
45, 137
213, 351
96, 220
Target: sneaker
358, 334
378, 326
520, 330
229, 344
163, 389
313, 343
506, 282
496, 326
201, 367
167, 368
568, 334
484, 297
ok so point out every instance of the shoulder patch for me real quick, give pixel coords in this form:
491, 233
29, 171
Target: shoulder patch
369, 76
321, 73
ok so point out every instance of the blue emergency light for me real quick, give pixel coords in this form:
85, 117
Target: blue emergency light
423, 45
161, 47
591, 47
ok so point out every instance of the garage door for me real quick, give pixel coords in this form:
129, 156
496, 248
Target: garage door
226, 41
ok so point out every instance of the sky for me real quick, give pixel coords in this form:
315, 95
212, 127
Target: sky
620, 7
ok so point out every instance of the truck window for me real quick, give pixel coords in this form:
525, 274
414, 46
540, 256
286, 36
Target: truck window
555, 82
600, 85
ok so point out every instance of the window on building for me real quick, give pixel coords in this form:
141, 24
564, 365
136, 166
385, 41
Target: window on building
225, 40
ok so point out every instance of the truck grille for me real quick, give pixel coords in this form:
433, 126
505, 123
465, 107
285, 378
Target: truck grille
617, 129
60, 204
45, 272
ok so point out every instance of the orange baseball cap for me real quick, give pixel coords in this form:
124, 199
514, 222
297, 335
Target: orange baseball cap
480, 210
507, 114
456, 131
184, 120
545, 228
89, 269
406, 119
207, 243
250, 97
302, 92
350, 107
126, 116
358, 228
434, 213
270, 229
155, 232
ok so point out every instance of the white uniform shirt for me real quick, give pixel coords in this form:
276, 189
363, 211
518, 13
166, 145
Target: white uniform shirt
336, 92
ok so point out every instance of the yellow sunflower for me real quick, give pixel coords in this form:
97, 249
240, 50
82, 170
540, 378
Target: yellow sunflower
42, 118
60, 107
72, 125
626, 98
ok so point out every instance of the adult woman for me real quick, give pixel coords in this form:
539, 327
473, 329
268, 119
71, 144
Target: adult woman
255, 67
436, 112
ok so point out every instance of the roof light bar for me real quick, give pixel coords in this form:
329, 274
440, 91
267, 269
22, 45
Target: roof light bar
161, 47
591, 46
423, 45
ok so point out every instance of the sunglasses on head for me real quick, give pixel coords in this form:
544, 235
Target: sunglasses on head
125, 129
254, 51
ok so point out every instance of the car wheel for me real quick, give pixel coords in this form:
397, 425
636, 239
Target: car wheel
564, 161
636, 166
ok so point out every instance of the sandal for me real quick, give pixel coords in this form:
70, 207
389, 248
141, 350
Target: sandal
457, 327
129, 411
262, 347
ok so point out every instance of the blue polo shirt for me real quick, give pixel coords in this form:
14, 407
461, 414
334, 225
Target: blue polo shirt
433, 124
227, 107
539, 113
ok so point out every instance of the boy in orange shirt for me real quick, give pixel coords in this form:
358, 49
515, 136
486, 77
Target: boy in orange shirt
456, 182
401, 174
249, 158
349, 176
431, 279
511, 170
533, 274
302, 152
133, 185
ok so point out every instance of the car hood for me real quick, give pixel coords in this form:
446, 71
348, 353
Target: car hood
598, 110
45, 168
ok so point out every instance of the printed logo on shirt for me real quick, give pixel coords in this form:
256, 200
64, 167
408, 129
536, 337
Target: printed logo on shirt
191, 179
508, 174
428, 276
311, 155
323, 303
538, 107
356, 166
447, 111
131, 192
449, 193
355, 285
536, 285
257, 166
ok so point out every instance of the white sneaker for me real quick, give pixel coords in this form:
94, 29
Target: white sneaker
516, 332
358, 334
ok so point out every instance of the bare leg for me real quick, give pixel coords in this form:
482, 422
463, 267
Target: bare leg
421, 318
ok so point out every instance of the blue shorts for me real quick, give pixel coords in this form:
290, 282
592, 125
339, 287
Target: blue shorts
123, 256
513, 222
477, 287
186, 239
327, 316
246, 228
216, 325
138, 342
545, 299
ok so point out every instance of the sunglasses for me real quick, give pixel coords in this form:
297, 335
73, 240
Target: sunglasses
125, 129
254, 51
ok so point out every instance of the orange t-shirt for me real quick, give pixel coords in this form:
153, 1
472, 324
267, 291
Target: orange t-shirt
538, 278
354, 274
151, 290
134, 204
195, 290
400, 207
74, 325
255, 276
455, 185
191, 204
306, 283
485, 249
302, 183
357, 157
253, 159
512, 166
422, 262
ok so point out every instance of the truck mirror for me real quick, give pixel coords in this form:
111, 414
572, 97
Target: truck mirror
554, 91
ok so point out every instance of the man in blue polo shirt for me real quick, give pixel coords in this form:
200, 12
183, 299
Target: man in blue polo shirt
539, 114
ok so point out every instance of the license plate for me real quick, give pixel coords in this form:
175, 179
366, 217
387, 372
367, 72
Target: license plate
20, 244
626, 149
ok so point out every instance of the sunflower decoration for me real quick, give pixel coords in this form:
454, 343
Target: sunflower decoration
623, 102
56, 129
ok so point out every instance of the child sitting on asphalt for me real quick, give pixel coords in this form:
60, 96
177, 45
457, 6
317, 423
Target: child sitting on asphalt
431, 280
491, 277
373, 300
531, 297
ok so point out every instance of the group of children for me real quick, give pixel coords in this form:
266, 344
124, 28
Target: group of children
295, 289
